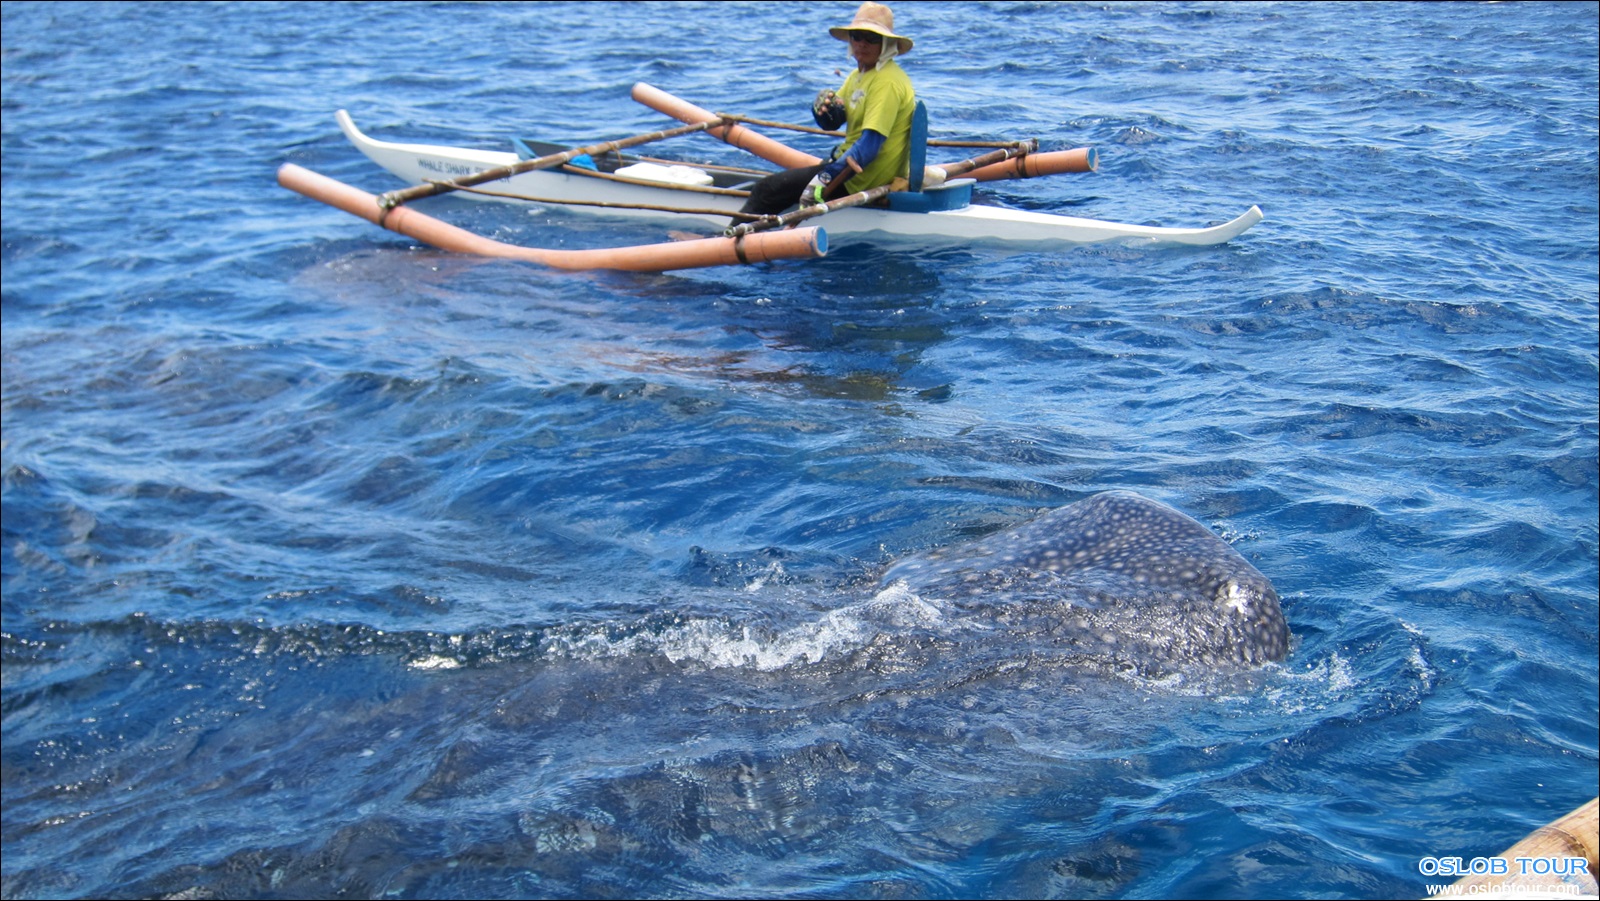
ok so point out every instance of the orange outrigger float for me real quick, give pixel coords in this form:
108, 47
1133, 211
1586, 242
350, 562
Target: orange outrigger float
799, 243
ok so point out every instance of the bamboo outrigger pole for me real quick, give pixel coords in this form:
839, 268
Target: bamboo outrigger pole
737, 135
1033, 165
395, 198
1026, 165
1563, 843
800, 243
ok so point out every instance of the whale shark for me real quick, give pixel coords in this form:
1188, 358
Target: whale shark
1116, 576
960, 699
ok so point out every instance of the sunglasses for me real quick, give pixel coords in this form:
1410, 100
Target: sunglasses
866, 37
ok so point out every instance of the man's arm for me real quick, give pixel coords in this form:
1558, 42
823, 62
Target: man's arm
861, 155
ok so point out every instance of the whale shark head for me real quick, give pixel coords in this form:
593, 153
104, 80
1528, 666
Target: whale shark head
1116, 576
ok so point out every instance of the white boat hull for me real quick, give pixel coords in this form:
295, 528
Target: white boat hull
419, 163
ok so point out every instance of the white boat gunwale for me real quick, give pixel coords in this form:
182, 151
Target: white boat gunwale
419, 163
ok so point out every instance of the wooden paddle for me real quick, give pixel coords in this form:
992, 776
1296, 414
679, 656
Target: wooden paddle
860, 198
395, 198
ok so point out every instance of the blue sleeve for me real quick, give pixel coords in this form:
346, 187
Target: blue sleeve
863, 151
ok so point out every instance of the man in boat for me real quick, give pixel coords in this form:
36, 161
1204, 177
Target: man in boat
875, 104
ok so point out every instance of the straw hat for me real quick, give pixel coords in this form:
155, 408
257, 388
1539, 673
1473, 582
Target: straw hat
876, 18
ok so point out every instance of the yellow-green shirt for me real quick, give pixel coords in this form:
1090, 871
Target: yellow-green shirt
880, 99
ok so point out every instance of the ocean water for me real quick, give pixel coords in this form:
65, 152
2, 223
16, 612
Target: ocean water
338, 566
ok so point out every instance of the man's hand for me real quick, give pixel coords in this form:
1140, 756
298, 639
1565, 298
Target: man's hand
828, 110
814, 191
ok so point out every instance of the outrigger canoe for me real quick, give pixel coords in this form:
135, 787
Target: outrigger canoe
618, 183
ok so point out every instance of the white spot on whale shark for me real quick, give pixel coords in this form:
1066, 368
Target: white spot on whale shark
1115, 576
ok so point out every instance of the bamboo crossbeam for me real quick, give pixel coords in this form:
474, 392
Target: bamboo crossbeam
709, 167
862, 198
395, 198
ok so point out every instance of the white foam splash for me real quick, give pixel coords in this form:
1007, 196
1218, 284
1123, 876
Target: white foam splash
435, 662
723, 645
1426, 674
715, 645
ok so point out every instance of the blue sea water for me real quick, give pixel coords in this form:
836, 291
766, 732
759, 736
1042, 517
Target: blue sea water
338, 566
